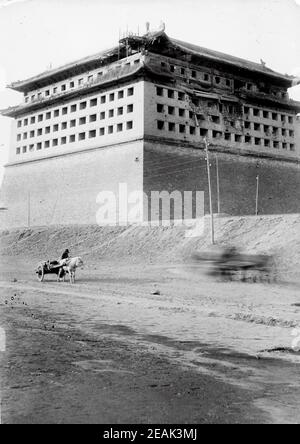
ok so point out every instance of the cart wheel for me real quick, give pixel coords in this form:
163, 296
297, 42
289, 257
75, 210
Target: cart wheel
40, 273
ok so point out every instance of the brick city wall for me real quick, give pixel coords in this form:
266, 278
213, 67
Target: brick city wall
168, 167
63, 189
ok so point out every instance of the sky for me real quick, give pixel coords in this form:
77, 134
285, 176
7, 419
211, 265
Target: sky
38, 34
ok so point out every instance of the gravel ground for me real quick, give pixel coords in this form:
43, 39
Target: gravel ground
136, 343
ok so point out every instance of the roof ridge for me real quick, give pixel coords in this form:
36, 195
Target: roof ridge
229, 58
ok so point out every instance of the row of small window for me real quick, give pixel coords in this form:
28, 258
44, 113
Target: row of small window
81, 121
57, 89
180, 70
119, 127
204, 132
183, 129
231, 109
218, 80
170, 93
171, 110
68, 86
269, 115
81, 106
181, 112
194, 74
272, 130
254, 141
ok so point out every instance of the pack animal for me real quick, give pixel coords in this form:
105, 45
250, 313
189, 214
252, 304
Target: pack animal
70, 268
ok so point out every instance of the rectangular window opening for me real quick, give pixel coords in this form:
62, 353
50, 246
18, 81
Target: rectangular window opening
171, 126
160, 125
216, 119
257, 141
159, 91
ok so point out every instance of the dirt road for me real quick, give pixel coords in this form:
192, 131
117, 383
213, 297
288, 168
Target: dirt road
146, 344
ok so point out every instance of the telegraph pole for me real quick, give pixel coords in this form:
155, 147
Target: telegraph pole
218, 184
257, 195
210, 194
28, 209
257, 190
209, 184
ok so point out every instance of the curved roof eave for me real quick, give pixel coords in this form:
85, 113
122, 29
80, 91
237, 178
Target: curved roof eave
105, 82
23, 85
229, 59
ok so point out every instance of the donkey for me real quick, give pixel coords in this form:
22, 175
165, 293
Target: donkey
70, 267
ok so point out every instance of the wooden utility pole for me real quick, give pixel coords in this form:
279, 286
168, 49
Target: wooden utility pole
209, 183
210, 194
257, 195
218, 184
28, 210
257, 190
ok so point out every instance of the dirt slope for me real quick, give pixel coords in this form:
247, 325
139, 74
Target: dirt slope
269, 234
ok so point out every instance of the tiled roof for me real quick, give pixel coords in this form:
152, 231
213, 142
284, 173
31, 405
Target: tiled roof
149, 40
